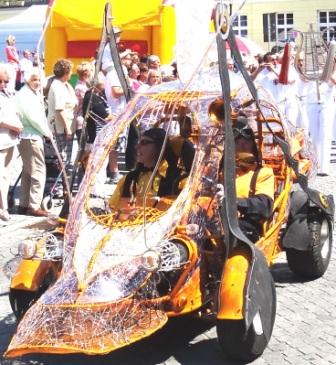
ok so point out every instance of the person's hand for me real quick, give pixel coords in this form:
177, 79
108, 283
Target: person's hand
15, 129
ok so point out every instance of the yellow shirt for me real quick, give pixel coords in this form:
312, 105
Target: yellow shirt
264, 184
141, 185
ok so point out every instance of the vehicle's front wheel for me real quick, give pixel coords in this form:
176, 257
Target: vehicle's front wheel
241, 344
313, 262
21, 300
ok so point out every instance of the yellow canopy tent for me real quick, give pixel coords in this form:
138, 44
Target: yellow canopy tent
75, 28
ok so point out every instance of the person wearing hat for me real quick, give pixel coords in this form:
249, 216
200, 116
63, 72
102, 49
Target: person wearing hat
254, 182
107, 58
134, 184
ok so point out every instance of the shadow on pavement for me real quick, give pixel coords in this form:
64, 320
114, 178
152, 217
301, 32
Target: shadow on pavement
282, 274
175, 341
7, 329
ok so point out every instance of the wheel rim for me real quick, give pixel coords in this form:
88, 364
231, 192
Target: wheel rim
324, 239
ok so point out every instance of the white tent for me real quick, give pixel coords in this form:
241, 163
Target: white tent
34, 16
26, 26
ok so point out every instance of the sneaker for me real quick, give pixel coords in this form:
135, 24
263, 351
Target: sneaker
37, 212
4, 215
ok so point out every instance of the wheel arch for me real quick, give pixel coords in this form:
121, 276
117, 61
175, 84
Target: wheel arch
297, 234
246, 287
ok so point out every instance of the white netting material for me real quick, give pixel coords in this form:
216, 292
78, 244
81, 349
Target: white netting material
107, 295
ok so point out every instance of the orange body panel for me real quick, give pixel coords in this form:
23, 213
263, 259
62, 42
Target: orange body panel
231, 292
189, 297
30, 274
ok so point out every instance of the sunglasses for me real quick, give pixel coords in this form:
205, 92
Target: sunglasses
246, 133
4, 81
145, 142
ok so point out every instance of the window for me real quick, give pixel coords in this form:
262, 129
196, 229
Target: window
327, 25
240, 25
284, 26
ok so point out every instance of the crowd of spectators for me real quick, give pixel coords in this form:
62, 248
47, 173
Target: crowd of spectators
27, 117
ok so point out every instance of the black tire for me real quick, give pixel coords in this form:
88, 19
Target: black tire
313, 263
21, 300
244, 345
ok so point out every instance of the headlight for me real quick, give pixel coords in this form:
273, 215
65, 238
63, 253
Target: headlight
173, 253
151, 260
53, 247
27, 249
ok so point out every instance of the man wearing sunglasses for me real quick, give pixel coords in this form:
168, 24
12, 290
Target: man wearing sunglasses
134, 184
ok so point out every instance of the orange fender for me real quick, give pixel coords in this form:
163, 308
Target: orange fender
30, 274
231, 291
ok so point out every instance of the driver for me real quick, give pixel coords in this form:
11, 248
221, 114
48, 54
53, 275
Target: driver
134, 184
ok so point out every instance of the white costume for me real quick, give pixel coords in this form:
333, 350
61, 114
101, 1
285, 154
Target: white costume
286, 97
321, 117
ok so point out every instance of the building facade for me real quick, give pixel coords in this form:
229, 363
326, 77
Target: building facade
272, 22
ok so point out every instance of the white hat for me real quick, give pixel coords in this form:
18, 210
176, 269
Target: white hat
125, 53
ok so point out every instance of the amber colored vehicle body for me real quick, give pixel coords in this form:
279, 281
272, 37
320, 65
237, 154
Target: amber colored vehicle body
108, 296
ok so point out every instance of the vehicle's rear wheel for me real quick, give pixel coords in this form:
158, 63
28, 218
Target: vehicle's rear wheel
313, 263
241, 344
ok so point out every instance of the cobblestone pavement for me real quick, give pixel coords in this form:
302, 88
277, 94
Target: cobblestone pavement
304, 331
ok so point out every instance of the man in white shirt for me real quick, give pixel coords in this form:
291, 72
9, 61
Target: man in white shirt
116, 99
113, 90
26, 65
107, 58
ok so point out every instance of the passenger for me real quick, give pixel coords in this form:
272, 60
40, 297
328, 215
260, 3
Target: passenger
134, 184
254, 183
